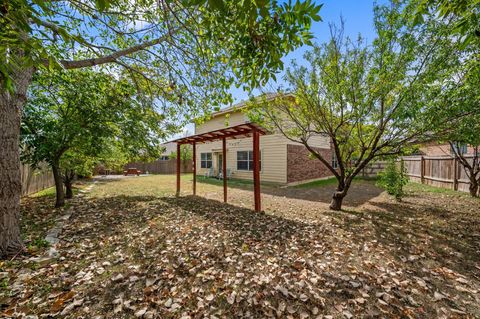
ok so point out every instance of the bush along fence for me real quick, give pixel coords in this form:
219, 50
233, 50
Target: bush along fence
35, 180
439, 171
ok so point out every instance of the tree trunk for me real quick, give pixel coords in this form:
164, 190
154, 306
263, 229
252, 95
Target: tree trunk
57, 176
473, 187
340, 193
337, 201
11, 105
68, 189
69, 175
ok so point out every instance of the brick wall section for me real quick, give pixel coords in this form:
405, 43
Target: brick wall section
300, 166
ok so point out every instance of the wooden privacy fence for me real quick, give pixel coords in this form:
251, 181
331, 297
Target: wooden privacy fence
372, 169
162, 166
35, 180
439, 171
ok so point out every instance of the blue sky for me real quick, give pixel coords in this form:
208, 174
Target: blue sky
358, 18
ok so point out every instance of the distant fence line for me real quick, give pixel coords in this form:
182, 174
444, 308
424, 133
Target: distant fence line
162, 166
439, 171
35, 180
373, 168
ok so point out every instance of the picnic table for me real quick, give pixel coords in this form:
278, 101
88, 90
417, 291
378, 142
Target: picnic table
132, 171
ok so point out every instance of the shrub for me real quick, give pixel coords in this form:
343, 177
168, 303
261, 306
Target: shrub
393, 178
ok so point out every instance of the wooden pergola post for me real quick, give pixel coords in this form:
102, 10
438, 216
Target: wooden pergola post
224, 168
178, 170
194, 145
256, 169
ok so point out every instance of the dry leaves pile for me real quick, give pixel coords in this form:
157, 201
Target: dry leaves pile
162, 257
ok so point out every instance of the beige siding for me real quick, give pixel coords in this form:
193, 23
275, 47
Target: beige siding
319, 141
219, 122
274, 157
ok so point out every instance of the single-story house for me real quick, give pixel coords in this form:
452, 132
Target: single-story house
281, 160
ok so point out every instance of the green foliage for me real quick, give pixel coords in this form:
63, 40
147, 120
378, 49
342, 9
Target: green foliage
186, 152
393, 178
465, 15
38, 243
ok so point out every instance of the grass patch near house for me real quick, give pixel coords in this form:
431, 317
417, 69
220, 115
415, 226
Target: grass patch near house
418, 187
50, 192
47, 192
331, 181
233, 182
318, 183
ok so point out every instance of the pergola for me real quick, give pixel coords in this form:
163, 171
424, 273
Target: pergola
232, 132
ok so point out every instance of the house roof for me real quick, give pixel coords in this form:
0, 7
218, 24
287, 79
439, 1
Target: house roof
231, 132
243, 104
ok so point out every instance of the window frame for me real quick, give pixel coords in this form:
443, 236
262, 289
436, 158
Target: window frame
248, 160
207, 162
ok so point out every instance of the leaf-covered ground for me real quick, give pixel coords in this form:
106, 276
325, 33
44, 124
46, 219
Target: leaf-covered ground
131, 249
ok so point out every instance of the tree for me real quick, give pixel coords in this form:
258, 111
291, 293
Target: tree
186, 153
76, 162
393, 178
190, 51
467, 128
367, 99
70, 116
456, 99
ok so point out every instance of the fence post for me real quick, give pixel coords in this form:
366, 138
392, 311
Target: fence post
422, 169
455, 174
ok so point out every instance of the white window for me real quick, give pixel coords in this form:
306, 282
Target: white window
206, 160
164, 158
245, 160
